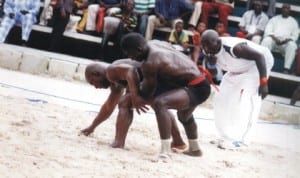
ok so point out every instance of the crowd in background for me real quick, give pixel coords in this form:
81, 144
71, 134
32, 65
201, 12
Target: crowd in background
188, 19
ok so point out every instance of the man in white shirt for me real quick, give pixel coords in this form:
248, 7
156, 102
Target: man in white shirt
253, 23
281, 34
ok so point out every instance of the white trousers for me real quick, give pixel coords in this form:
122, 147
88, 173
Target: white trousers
288, 50
237, 106
196, 13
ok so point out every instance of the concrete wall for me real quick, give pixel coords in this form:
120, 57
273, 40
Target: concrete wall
72, 68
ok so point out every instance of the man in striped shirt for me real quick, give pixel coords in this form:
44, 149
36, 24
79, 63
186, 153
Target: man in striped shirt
143, 8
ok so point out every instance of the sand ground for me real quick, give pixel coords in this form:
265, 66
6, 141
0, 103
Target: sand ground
40, 118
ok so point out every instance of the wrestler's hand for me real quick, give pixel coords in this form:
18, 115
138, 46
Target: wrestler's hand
87, 131
139, 104
263, 91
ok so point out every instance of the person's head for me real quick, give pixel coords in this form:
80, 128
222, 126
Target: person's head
285, 10
211, 43
95, 74
257, 6
179, 26
134, 46
128, 6
201, 27
220, 28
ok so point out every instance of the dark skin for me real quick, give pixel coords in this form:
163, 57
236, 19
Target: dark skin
212, 45
285, 12
171, 66
116, 77
257, 5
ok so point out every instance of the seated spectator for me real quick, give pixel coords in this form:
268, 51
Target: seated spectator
82, 5
127, 23
196, 14
179, 38
221, 30
166, 14
253, 23
143, 8
46, 14
269, 4
197, 55
222, 7
61, 16
111, 6
281, 34
19, 12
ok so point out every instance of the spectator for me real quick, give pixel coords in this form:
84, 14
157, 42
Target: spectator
196, 14
111, 6
297, 70
270, 4
253, 23
61, 16
143, 8
82, 5
46, 13
281, 34
179, 38
222, 7
166, 13
126, 24
221, 30
19, 12
197, 55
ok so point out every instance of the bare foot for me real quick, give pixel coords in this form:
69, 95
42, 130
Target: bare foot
117, 145
196, 153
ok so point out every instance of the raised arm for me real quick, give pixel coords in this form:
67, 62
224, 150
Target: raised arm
242, 50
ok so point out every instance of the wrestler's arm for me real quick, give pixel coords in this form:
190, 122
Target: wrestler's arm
149, 83
244, 51
107, 108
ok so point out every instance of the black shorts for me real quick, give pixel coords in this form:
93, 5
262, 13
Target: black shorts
198, 93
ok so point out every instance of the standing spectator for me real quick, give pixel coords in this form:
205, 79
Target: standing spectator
143, 8
61, 16
221, 30
222, 7
281, 34
19, 12
253, 23
82, 5
111, 6
270, 4
166, 13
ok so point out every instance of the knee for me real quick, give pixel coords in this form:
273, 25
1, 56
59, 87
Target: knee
151, 19
198, 6
158, 103
125, 102
267, 41
292, 45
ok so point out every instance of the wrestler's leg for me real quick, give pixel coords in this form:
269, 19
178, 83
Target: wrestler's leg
124, 120
175, 99
190, 126
177, 142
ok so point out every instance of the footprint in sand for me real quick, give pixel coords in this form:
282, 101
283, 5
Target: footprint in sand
21, 124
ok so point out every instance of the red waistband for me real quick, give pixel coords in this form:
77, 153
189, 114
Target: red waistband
197, 80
